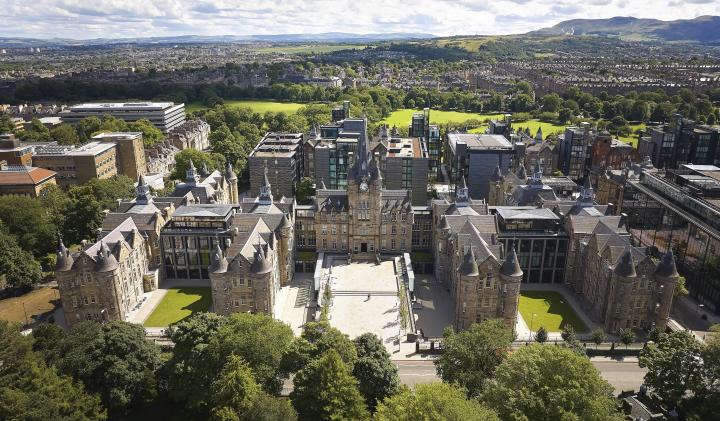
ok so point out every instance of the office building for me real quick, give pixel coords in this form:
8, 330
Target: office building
282, 155
27, 181
78, 164
163, 115
12, 152
406, 168
475, 157
683, 141
130, 152
429, 135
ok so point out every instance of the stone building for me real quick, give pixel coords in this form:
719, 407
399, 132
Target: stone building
27, 181
483, 279
76, 165
623, 286
611, 183
193, 134
205, 187
544, 154
105, 281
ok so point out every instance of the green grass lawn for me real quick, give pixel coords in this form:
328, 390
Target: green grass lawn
257, 106
401, 118
550, 309
178, 304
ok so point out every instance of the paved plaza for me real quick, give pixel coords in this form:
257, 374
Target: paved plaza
293, 305
434, 309
365, 300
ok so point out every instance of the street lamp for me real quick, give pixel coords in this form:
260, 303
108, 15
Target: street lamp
532, 319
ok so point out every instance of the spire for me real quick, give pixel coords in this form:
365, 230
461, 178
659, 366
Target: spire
265, 190
142, 192
537, 173
313, 132
462, 196
105, 260
497, 174
666, 268
191, 175
469, 266
64, 260
444, 225
587, 194
625, 266
285, 223
219, 262
229, 173
322, 184
539, 135
511, 266
521, 173
205, 172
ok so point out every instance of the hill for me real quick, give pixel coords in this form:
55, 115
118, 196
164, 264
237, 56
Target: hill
702, 29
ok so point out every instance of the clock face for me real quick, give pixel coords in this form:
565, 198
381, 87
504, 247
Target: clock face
363, 187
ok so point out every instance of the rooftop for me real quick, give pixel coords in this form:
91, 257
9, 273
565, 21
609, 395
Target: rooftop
404, 148
508, 213
480, 141
212, 210
88, 149
144, 106
21, 175
117, 135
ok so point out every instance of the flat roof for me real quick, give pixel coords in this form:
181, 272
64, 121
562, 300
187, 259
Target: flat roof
404, 147
481, 141
148, 106
524, 213
213, 210
88, 149
117, 135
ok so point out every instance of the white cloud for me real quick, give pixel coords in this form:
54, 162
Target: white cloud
133, 18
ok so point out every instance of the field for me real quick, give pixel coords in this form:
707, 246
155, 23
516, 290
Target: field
401, 118
550, 310
178, 304
257, 106
309, 48
36, 302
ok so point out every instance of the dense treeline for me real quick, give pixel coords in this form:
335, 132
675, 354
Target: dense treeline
233, 368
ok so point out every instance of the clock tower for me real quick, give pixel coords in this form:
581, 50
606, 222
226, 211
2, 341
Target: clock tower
364, 190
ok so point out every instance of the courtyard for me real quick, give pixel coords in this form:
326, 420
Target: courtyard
178, 304
550, 310
364, 299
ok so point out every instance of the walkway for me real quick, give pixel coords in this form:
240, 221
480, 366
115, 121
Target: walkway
294, 311
434, 309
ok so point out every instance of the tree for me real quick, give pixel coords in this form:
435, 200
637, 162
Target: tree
541, 335
551, 102
377, 375
17, 266
46, 339
30, 390
565, 115
189, 372
680, 288
37, 132
597, 336
259, 339
87, 127
325, 390
234, 391
306, 190
88, 201
432, 401
269, 408
213, 161
655, 334
549, 383
471, 356
674, 365
627, 336
114, 360
6, 124
151, 134
32, 228
568, 333
64, 134
316, 339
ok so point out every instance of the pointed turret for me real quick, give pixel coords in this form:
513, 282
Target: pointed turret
64, 260
219, 262
625, 266
205, 172
262, 264
314, 134
462, 196
511, 266
322, 184
142, 192
666, 268
191, 175
285, 223
444, 225
469, 266
229, 173
587, 193
521, 173
497, 173
105, 259
265, 195
539, 135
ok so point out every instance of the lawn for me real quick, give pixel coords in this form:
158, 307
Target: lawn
550, 309
401, 118
257, 106
35, 303
178, 304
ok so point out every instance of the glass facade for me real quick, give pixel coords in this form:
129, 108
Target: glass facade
663, 217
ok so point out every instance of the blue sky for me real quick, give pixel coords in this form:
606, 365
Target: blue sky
140, 18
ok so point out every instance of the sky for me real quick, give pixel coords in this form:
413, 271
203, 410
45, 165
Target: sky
84, 19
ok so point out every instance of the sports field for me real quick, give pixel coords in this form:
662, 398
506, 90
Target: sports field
178, 304
550, 310
257, 106
401, 118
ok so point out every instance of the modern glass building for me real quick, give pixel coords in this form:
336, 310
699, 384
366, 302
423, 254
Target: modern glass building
539, 240
188, 240
681, 210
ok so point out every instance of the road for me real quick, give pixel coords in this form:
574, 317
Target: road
621, 375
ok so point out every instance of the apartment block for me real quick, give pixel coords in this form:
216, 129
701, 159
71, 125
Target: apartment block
282, 155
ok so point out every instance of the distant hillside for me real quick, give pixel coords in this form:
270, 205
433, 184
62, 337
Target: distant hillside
700, 29
342, 37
